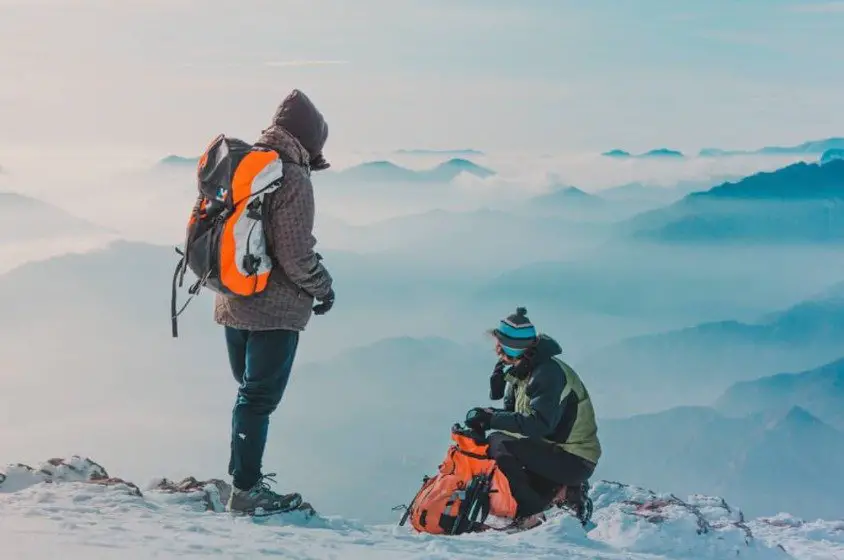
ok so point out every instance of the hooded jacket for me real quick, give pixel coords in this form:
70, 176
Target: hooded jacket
298, 133
546, 400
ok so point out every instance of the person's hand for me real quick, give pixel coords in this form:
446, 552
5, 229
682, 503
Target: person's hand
497, 383
325, 305
478, 419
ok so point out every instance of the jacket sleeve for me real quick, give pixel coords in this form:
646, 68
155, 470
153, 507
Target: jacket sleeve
545, 390
291, 226
510, 398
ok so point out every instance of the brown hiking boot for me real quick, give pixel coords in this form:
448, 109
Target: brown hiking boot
560, 497
260, 500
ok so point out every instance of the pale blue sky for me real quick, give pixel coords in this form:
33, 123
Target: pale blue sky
534, 75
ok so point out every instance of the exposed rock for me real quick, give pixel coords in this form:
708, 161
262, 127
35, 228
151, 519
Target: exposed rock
214, 492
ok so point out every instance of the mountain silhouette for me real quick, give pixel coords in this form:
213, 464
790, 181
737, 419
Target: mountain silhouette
455, 153
696, 447
803, 202
656, 195
701, 362
386, 171
662, 152
656, 153
563, 197
832, 154
812, 147
819, 390
19, 213
799, 181
178, 161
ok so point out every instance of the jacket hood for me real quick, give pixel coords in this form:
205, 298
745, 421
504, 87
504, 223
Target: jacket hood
284, 143
545, 349
299, 118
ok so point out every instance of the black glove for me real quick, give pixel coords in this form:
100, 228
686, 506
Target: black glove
497, 383
478, 420
325, 305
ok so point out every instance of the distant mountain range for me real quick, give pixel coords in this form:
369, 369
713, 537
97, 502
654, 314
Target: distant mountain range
91, 278
803, 202
472, 241
385, 171
453, 153
378, 171
657, 153
700, 362
567, 201
596, 211
660, 195
178, 161
832, 154
812, 147
819, 390
564, 195
613, 203
799, 181
23, 218
768, 462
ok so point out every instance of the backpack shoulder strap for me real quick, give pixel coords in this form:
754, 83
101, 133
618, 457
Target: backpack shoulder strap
282, 156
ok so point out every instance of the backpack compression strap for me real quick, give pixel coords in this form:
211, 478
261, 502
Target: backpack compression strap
193, 290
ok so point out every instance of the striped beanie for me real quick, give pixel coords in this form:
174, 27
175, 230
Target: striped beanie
515, 333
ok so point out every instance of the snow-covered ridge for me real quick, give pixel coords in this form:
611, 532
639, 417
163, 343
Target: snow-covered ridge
74, 507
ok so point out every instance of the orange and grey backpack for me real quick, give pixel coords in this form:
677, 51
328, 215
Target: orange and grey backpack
467, 488
225, 243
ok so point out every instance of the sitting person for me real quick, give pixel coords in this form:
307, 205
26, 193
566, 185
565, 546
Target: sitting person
546, 435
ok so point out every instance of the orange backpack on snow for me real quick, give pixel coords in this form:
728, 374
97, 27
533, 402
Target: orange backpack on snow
467, 488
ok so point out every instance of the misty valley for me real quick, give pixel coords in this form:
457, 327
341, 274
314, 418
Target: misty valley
706, 316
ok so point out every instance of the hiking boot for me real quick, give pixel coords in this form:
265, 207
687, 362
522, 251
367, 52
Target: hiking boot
560, 497
578, 500
529, 522
260, 500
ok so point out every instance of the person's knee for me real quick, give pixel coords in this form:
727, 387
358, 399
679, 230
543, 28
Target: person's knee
260, 398
497, 445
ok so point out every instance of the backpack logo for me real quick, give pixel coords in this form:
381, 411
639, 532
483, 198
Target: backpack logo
226, 242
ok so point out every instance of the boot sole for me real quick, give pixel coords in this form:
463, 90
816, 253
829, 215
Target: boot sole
295, 505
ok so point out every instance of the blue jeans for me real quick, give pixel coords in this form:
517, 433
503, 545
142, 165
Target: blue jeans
261, 362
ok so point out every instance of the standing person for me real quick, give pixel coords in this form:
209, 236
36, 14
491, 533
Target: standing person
548, 436
262, 331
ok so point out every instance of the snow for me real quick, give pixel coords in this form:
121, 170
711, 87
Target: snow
73, 509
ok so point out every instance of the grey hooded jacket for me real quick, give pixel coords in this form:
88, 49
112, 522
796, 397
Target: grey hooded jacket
298, 132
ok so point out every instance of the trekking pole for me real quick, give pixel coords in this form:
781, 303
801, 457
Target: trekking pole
477, 488
484, 488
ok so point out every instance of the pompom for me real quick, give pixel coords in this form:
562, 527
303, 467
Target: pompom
521, 312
